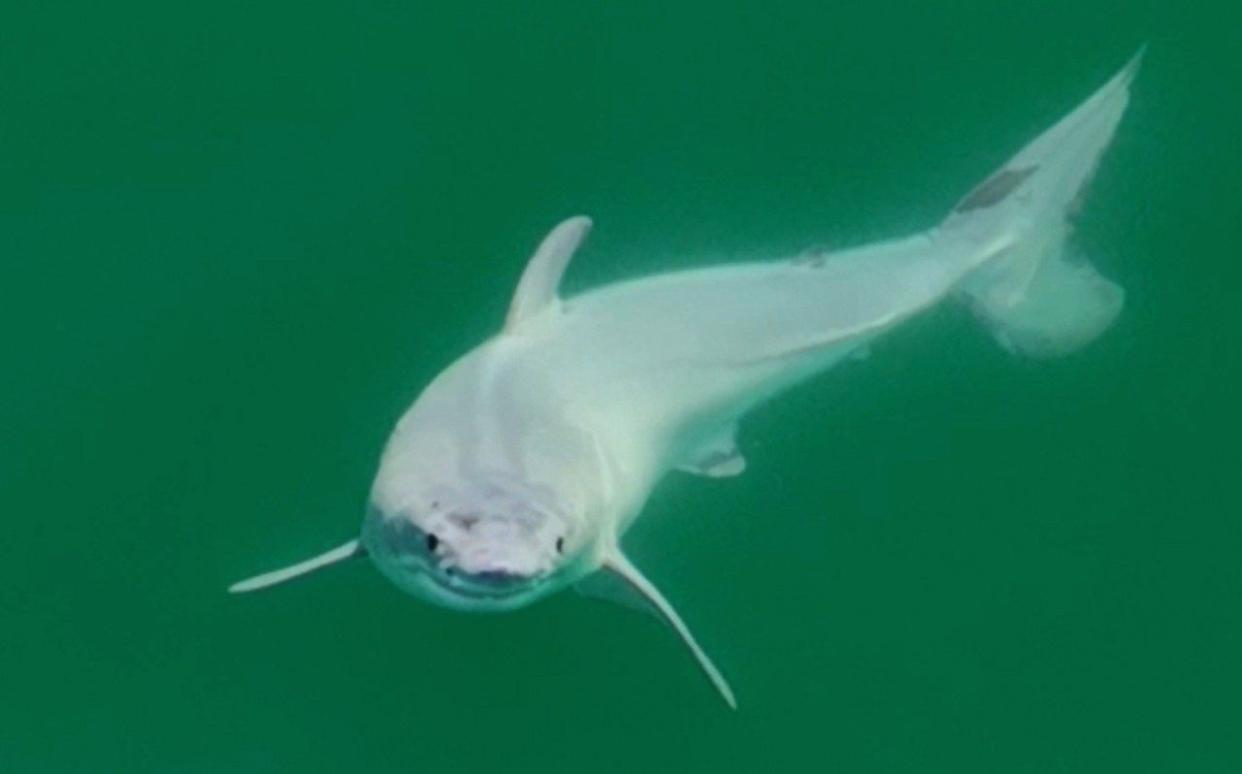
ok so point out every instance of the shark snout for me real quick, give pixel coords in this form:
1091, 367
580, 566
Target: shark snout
495, 549
498, 562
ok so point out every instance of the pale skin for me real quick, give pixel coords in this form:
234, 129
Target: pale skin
519, 469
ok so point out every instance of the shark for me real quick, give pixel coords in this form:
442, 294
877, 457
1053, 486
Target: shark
518, 470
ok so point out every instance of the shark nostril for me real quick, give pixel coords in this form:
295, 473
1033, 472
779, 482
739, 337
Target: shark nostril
433, 542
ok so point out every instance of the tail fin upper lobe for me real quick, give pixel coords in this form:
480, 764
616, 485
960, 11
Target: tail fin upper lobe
1036, 294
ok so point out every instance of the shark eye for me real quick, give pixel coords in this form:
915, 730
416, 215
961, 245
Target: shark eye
432, 542
560, 545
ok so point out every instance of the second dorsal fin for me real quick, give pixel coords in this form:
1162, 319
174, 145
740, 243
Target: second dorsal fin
542, 276
718, 458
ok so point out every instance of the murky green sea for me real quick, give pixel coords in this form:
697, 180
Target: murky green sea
238, 238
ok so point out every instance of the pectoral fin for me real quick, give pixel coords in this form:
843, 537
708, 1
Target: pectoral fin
339, 554
617, 564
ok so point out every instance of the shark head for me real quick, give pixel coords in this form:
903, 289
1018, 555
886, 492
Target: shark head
479, 547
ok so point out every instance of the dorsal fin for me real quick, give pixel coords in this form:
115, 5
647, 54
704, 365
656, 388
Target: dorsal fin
542, 276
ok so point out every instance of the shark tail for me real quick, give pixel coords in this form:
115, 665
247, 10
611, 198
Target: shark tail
1033, 290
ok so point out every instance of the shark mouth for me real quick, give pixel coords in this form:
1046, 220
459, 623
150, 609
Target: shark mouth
486, 584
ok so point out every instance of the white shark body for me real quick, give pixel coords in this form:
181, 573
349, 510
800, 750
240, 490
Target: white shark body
520, 467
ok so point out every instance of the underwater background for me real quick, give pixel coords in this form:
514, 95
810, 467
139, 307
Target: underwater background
238, 238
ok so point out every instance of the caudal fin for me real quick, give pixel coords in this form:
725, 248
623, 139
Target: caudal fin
1038, 295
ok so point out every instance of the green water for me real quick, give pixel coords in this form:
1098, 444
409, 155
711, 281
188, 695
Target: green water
237, 239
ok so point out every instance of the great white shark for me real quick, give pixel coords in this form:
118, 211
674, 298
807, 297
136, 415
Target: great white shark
519, 468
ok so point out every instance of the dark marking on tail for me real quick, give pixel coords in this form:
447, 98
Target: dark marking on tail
995, 189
